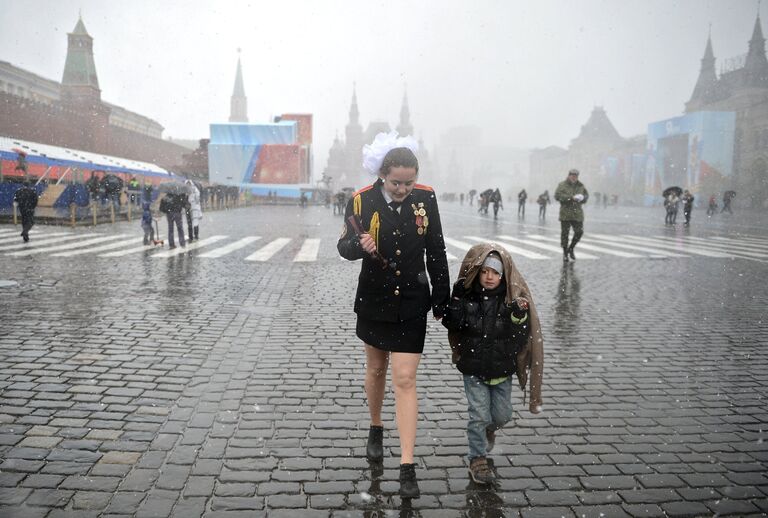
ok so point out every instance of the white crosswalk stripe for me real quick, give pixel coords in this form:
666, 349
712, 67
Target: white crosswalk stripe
514, 250
9, 232
685, 246
728, 245
461, 245
308, 252
67, 246
18, 244
102, 248
227, 249
121, 253
654, 252
190, 246
35, 233
269, 250
529, 246
594, 248
543, 246
744, 239
676, 246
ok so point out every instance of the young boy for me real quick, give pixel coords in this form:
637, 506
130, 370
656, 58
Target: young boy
494, 333
146, 223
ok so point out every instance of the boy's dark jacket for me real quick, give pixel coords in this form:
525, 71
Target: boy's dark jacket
489, 338
530, 358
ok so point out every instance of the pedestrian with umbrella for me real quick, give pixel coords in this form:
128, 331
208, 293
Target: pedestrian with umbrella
171, 205
671, 203
113, 186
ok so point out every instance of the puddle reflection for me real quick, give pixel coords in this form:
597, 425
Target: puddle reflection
567, 311
378, 505
482, 500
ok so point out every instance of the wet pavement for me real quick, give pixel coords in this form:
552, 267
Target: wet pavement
230, 383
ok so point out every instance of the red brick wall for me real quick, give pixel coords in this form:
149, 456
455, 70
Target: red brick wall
82, 127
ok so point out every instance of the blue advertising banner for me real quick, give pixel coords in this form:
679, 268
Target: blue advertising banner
689, 150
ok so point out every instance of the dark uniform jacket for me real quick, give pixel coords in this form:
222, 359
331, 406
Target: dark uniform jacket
399, 291
489, 338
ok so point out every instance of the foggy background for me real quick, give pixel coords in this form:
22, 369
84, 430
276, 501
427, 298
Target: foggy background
527, 73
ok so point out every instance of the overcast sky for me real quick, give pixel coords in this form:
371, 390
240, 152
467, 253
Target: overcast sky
529, 73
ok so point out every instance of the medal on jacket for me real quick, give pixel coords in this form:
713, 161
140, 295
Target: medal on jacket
421, 218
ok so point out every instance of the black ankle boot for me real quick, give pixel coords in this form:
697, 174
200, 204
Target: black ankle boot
375, 448
409, 487
565, 255
571, 255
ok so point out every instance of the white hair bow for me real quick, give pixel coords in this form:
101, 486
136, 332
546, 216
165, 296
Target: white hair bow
373, 153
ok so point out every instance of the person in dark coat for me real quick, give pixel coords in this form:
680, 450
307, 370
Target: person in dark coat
522, 197
727, 199
687, 200
171, 205
543, 201
400, 225
26, 199
497, 203
93, 185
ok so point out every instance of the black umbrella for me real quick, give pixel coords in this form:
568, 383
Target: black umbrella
677, 191
487, 192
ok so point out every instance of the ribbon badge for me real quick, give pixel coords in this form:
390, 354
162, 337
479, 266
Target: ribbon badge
422, 221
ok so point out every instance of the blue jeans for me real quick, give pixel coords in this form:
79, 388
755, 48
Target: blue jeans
490, 407
175, 218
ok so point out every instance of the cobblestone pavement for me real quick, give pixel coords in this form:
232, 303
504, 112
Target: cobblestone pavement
216, 386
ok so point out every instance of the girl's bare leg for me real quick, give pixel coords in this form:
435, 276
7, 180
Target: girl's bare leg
375, 381
404, 366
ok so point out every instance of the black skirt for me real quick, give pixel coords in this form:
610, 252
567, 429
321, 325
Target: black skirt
396, 337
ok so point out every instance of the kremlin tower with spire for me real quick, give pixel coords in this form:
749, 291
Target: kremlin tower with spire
345, 158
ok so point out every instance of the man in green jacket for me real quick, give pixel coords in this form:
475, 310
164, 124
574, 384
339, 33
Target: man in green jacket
572, 195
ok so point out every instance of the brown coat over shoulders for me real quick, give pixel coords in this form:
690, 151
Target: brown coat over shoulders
530, 359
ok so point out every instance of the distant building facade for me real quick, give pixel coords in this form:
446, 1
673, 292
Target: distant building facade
721, 142
609, 163
742, 88
72, 114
